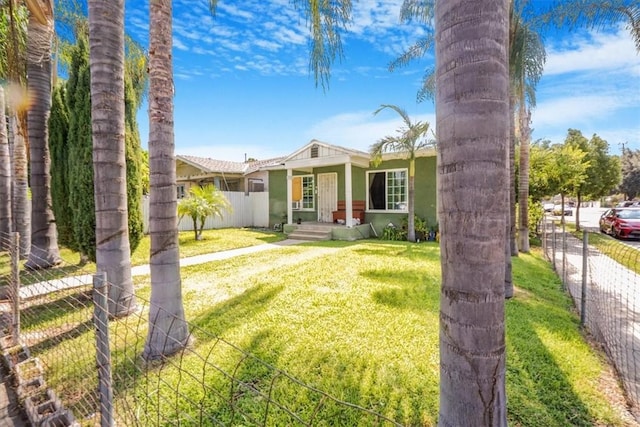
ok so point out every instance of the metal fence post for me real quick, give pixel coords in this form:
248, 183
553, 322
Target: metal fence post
103, 354
553, 245
564, 256
15, 288
585, 264
544, 236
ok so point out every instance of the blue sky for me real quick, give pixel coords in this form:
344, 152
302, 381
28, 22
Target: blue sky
243, 84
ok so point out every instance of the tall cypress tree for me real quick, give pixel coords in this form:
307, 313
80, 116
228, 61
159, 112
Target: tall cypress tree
133, 157
58, 132
79, 170
80, 148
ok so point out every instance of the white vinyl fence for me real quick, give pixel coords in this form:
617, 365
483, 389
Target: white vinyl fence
249, 210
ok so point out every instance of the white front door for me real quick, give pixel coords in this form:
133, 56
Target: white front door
327, 196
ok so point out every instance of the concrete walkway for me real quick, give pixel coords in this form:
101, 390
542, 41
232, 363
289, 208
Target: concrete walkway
41, 288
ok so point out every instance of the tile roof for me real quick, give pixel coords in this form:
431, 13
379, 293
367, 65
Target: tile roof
212, 165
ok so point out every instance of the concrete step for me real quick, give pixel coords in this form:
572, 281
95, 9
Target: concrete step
310, 233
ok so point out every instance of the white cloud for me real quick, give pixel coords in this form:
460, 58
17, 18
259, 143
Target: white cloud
577, 109
598, 51
359, 130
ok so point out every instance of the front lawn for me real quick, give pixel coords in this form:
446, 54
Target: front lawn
358, 320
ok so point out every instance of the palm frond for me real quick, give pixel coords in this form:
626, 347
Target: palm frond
428, 89
416, 51
422, 10
595, 14
325, 21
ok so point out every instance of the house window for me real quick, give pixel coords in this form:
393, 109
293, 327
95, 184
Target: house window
180, 191
303, 191
387, 190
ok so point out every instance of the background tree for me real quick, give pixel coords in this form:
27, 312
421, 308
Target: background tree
539, 160
202, 203
602, 174
566, 170
473, 141
44, 251
410, 139
630, 163
107, 66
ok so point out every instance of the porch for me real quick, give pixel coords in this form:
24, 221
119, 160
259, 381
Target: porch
313, 231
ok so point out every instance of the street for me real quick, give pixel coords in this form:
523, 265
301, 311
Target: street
589, 218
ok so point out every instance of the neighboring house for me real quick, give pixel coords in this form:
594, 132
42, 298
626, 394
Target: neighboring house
225, 175
315, 181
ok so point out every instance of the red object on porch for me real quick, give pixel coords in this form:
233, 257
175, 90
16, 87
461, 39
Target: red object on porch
357, 206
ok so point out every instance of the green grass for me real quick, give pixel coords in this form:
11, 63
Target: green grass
358, 320
626, 255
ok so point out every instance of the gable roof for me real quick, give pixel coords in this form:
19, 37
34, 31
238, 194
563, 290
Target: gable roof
331, 147
209, 165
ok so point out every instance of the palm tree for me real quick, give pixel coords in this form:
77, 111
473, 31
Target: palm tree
106, 62
203, 202
44, 251
14, 70
411, 139
527, 57
168, 330
5, 174
472, 113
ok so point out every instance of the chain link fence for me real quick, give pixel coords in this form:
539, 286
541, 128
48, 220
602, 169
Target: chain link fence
73, 366
602, 276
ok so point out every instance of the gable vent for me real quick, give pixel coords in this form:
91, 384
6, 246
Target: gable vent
314, 151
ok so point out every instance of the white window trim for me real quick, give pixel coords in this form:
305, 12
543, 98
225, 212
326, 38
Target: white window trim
406, 177
313, 177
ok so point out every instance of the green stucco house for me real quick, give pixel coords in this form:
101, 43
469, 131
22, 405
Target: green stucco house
328, 184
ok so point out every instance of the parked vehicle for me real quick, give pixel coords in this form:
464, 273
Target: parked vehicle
622, 223
558, 211
548, 207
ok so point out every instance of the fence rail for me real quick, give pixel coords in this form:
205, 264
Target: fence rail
248, 210
604, 283
74, 367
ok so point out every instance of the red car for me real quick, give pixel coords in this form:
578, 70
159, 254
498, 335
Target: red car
623, 223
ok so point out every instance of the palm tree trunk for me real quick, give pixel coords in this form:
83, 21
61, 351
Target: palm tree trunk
523, 183
21, 205
106, 62
411, 223
513, 243
473, 130
44, 236
168, 331
5, 175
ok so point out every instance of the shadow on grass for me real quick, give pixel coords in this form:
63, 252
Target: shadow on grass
408, 289
531, 368
45, 310
234, 311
